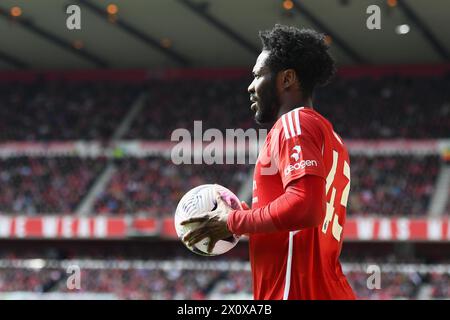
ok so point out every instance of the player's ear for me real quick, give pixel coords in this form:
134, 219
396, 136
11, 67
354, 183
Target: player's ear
288, 78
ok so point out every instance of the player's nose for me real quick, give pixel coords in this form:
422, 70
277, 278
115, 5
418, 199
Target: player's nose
251, 88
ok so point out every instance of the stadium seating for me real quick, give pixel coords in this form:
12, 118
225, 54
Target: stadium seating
440, 286
45, 185
50, 110
393, 285
213, 283
361, 108
385, 186
371, 108
155, 185
392, 185
218, 104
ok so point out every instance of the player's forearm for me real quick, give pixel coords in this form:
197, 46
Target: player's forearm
301, 206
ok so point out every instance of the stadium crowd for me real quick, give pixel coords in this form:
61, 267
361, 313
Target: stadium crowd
362, 108
392, 286
219, 104
388, 107
440, 286
184, 284
359, 108
45, 185
154, 186
392, 185
381, 185
62, 110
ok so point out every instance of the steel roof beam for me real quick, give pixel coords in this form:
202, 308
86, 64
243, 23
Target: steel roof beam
428, 34
221, 26
323, 28
29, 25
148, 40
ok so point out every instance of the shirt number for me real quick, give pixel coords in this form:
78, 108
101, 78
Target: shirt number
330, 216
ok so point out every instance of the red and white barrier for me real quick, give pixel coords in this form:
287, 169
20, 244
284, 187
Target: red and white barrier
142, 148
104, 227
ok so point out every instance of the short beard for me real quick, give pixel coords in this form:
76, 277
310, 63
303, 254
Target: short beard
270, 102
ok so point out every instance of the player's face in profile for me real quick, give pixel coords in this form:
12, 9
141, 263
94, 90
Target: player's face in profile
263, 91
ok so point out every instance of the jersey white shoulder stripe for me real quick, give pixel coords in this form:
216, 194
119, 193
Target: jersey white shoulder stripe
285, 129
291, 125
297, 122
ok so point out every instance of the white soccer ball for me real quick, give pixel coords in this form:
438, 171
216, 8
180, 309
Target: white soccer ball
198, 201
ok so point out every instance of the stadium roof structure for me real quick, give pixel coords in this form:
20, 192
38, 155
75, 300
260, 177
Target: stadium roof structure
215, 33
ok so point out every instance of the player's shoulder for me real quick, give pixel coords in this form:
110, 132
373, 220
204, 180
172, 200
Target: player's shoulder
310, 115
296, 121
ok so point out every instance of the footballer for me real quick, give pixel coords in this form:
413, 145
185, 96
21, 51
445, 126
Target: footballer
301, 179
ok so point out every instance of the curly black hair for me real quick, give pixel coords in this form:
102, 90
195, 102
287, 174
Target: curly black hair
303, 50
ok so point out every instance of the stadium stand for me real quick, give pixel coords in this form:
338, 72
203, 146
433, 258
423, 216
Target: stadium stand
45, 185
392, 185
218, 104
358, 108
186, 280
155, 185
63, 110
391, 178
372, 108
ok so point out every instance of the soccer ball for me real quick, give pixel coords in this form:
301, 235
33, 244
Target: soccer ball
198, 201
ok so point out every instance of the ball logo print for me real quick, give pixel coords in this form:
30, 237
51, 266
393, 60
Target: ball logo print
196, 202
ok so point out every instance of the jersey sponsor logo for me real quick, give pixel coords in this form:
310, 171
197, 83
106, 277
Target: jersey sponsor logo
300, 165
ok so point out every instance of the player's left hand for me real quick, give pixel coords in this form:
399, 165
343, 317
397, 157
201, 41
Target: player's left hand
213, 225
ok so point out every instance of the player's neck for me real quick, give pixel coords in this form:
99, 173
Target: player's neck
291, 103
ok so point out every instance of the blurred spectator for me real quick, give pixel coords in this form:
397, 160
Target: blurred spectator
447, 210
45, 185
200, 284
440, 286
388, 107
392, 185
381, 185
361, 108
393, 286
63, 110
171, 105
154, 186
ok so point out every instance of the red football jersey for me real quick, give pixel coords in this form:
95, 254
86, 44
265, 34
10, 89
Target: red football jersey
302, 264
